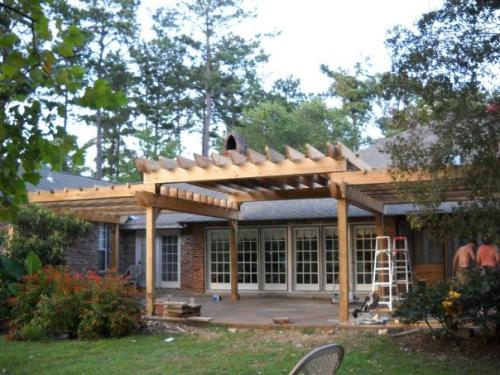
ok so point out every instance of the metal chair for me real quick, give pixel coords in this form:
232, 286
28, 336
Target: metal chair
133, 273
324, 360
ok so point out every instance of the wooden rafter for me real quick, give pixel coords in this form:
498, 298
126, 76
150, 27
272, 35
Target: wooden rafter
96, 192
181, 201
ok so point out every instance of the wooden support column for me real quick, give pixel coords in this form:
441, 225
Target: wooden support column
379, 224
151, 215
115, 247
342, 206
233, 248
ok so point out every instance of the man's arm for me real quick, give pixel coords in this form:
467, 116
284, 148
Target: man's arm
478, 256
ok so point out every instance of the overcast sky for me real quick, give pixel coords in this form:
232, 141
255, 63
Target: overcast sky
338, 33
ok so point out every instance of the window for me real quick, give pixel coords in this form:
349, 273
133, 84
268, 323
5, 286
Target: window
103, 247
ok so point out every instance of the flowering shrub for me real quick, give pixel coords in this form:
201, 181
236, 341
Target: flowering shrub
477, 301
56, 301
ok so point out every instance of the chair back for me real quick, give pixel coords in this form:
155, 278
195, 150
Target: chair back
324, 360
134, 271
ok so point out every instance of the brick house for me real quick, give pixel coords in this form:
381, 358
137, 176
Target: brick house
284, 247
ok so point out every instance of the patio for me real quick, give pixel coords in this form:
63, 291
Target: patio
258, 311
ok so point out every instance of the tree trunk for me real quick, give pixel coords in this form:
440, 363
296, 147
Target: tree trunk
207, 118
98, 145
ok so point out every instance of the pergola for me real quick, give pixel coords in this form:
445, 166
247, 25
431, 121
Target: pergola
252, 176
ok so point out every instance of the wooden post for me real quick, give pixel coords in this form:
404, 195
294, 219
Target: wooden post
151, 215
379, 224
342, 206
115, 248
233, 248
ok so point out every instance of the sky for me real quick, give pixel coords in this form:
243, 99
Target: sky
338, 33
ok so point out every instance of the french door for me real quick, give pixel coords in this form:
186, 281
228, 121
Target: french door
306, 241
248, 271
364, 240
331, 251
170, 261
275, 258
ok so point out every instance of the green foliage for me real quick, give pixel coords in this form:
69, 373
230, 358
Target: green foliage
40, 231
357, 91
476, 301
443, 81
11, 274
223, 65
56, 302
274, 124
423, 303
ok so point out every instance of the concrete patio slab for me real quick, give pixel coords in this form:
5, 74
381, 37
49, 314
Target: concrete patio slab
261, 310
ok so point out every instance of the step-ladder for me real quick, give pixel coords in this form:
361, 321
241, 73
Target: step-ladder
403, 271
383, 272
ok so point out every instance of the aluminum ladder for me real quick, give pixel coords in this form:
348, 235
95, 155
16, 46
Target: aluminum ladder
402, 267
383, 272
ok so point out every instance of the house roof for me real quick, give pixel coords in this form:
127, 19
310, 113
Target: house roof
295, 209
375, 156
52, 180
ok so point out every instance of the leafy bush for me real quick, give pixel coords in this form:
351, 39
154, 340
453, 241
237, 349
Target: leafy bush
57, 302
11, 274
40, 230
423, 303
477, 301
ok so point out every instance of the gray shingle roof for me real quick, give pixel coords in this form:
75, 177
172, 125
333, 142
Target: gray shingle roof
378, 159
60, 180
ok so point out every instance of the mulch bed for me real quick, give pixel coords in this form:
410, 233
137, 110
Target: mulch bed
478, 348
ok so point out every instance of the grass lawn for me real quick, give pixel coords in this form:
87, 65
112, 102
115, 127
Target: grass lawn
217, 351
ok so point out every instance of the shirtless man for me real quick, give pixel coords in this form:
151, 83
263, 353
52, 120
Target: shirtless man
462, 259
487, 254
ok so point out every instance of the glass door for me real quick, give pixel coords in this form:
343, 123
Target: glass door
275, 258
218, 259
306, 258
170, 264
331, 246
364, 252
248, 259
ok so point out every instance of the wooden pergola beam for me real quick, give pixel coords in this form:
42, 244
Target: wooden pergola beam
209, 208
256, 196
96, 217
96, 192
363, 200
264, 168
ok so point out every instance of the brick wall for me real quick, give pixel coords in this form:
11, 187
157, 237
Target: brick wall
83, 255
193, 258
127, 250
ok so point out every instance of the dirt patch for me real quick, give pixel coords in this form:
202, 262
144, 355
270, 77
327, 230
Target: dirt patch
476, 348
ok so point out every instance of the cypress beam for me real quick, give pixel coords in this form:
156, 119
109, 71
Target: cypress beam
151, 215
233, 255
342, 206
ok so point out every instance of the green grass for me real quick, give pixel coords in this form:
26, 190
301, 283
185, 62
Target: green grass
217, 351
